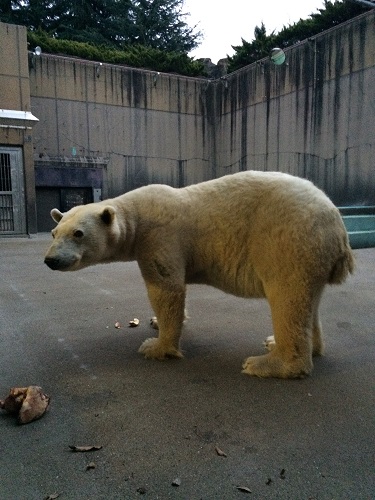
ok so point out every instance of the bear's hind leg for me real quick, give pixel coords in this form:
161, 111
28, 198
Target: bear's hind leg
290, 353
169, 308
317, 339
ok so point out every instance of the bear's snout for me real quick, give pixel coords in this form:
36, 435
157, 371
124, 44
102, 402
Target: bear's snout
53, 263
58, 264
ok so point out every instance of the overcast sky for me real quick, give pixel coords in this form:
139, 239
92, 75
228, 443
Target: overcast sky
224, 22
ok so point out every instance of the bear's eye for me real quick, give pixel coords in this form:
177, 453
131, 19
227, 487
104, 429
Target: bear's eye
78, 233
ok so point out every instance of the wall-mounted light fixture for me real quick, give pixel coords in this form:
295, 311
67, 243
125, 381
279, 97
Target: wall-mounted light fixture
277, 56
33, 55
98, 69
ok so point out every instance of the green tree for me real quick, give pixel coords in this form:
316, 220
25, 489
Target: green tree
115, 23
332, 14
10, 10
89, 21
160, 24
249, 52
35, 14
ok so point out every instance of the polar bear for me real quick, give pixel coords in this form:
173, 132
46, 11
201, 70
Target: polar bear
250, 234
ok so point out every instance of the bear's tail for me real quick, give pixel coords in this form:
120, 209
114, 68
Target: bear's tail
343, 266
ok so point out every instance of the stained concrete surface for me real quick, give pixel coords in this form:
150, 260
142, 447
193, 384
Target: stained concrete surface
158, 422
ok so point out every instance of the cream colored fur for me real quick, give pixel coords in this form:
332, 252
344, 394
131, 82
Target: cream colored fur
251, 234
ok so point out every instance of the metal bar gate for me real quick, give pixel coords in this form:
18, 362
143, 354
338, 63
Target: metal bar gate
12, 192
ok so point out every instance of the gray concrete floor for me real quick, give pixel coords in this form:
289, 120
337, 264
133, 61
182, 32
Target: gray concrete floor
161, 421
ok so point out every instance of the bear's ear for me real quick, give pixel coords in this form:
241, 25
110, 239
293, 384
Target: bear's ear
56, 215
108, 215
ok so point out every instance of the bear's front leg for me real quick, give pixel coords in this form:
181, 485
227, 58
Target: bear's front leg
169, 306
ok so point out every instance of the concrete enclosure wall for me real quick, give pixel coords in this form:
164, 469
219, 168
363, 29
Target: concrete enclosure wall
113, 128
144, 127
312, 117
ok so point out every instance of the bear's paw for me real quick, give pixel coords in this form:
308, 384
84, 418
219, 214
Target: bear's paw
152, 348
270, 365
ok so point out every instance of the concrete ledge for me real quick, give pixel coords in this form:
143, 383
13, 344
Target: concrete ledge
360, 224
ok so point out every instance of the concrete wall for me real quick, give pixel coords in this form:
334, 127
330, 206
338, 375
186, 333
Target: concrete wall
14, 74
313, 117
142, 126
15, 96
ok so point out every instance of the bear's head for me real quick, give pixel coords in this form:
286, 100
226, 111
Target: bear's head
84, 236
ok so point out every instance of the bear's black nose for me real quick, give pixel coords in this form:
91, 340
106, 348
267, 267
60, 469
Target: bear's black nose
52, 262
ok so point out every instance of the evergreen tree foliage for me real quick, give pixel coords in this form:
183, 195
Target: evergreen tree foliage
159, 24
115, 23
331, 15
136, 56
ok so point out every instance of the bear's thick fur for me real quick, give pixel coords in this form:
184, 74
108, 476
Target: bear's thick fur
251, 234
